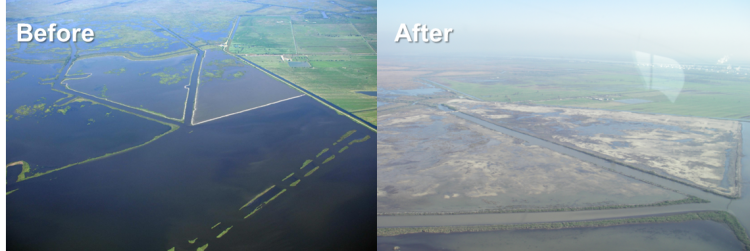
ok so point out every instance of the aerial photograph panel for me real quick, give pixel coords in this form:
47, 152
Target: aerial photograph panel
563, 126
192, 125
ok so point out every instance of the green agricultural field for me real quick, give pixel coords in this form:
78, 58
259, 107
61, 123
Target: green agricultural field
336, 78
578, 85
263, 35
329, 38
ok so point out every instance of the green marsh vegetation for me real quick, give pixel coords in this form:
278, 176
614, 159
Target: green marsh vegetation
275, 196
253, 212
306, 163
343, 149
64, 110
257, 196
329, 159
15, 75
25, 168
217, 224
192, 241
239, 74
115, 71
202, 248
288, 176
224, 232
295, 183
10, 192
321, 152
360, 140
312, 171
20, 162
172, 127
167, 79
104, 91
343, 137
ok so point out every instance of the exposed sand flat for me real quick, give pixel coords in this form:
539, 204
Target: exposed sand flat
699, 151
432, 161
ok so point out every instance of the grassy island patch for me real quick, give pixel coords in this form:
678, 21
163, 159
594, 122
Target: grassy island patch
10, 192
305, 164
360, 140
294, 184
203, 248
16, 75
277, 195
343, 137
167, 79
115, 71
343, 149
312, 171
257, 196
329, 159
224, 232
321, 152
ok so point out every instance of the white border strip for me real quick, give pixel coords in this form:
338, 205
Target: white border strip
249, 109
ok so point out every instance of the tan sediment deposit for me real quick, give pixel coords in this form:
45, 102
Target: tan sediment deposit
698, 151
432, 161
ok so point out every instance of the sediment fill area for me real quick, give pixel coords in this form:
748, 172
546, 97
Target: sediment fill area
717, 203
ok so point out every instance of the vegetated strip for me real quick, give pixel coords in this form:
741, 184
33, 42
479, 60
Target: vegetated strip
306, 163
202, 248
329, 159
321, 152
288, 176
717, 216
245, 109
343, 137
217, 224
192, 241
253, 212
294, 184
31, 61
737, 196
360, 140
257, 196
274, 197
173, 128
343, 149
115, 102
61, 99
224, 232
138, 57
339, 110
312, 171
690, 199
10, 192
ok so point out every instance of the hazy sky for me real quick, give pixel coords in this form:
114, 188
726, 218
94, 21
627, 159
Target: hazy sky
687, 31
